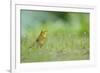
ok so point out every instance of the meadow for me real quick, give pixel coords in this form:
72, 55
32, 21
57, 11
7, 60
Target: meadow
64, 41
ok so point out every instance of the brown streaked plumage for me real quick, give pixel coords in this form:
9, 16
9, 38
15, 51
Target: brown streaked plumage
41, 38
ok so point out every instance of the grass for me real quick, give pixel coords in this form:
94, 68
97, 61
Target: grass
59, 46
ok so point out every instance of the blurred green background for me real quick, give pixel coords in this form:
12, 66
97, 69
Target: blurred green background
67, 36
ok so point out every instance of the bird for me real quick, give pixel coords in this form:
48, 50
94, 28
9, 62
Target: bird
41, 39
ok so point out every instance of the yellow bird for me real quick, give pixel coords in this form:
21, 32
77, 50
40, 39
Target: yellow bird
41, 38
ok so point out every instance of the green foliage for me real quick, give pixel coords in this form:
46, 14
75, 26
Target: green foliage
59, 46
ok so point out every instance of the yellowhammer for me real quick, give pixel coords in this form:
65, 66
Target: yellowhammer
41, 38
